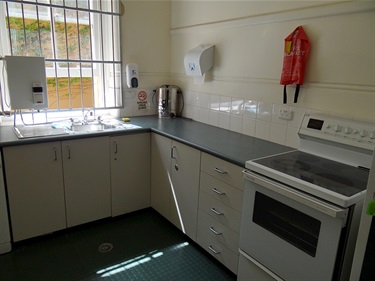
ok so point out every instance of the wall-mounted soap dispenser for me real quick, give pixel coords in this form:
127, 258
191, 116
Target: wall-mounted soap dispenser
199, 60
132, 75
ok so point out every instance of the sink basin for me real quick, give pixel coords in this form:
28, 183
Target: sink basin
92, 127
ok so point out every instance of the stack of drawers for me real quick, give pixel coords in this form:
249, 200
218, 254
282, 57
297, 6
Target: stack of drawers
220, 205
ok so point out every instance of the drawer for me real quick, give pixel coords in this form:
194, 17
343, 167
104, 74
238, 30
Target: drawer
219, 211
250, 269
223, 254
222, 170
222, 191
218, 231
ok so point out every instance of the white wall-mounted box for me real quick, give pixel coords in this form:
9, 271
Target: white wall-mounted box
27, 85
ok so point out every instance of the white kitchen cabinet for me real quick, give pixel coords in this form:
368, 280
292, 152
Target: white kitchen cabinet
175, 182
34, 177
86, 179
130, 173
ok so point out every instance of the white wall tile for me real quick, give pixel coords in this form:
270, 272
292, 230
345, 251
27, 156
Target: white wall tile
225, 104
203, 100
224, 120
278, 133
213, 118
262, 129
190, 98
235, 123
214, 102
203, 115
250, 108
248, 126
264, 111
237, 106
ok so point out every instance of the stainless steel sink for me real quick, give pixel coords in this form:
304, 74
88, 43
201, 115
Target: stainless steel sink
91, 127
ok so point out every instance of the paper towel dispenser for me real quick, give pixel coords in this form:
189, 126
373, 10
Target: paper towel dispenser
199, 60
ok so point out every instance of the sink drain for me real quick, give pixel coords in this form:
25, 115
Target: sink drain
105, 247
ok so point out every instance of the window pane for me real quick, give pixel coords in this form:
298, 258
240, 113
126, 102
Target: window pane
84, 37
117, 38
107, 38
59, 32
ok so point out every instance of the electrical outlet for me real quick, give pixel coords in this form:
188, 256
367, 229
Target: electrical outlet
286, 114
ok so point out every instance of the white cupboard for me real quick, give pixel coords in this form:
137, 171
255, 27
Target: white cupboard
35, 189
175, 171
86, 179
130, 173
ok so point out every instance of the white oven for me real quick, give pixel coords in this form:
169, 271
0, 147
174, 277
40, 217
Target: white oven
301, 210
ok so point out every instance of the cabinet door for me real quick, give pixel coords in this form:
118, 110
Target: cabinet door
87, 179
185, 172
130, 173
35, 189
161, 174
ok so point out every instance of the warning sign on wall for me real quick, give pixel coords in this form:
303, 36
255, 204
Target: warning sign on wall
142, 100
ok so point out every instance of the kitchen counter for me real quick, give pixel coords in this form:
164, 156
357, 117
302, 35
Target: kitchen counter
230, 146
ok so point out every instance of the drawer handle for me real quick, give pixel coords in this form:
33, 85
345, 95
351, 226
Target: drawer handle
216, 212
218, 191
213, 250
214, 231
220, 171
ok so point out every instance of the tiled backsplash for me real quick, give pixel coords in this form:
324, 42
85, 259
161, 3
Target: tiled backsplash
249, 117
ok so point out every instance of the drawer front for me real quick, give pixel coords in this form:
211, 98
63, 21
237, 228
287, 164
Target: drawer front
223, 170
218, 231
219, 211
223, 192
223, 254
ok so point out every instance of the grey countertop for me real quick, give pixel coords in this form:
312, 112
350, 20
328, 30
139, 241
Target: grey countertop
233, 147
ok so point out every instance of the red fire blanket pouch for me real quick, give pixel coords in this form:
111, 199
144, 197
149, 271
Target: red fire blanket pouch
296, 49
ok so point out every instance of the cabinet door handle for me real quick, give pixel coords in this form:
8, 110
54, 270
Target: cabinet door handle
220, 171
55, 152
218, 191
68, 147
115, 143
172, 152
213, 250
216, 212
214, 231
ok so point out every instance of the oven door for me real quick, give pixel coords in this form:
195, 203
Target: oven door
294, 235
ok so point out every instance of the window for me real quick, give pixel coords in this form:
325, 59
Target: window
80, 41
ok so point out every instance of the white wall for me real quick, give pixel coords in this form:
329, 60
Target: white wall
146, 41
249, 39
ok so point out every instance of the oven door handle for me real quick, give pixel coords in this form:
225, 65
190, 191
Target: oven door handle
294, 194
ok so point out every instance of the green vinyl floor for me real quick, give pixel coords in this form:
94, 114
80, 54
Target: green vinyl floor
138, 246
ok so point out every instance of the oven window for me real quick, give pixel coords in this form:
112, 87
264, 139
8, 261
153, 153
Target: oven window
289, 224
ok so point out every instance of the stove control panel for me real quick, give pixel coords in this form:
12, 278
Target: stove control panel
332, 129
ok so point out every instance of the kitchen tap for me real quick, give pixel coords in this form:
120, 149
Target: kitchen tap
86, 116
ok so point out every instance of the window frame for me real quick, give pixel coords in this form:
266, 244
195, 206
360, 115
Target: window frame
106, 91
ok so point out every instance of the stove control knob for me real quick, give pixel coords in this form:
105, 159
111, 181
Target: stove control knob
363, 133
347, 130
337, 128
372, 135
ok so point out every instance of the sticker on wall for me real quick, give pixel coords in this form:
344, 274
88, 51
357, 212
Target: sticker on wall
142, 100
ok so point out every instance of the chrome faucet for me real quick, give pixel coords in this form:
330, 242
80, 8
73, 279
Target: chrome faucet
85, 117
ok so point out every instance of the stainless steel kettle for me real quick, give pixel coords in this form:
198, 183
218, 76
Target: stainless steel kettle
169, 101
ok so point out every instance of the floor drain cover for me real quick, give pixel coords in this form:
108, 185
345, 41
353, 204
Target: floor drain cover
105, 247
